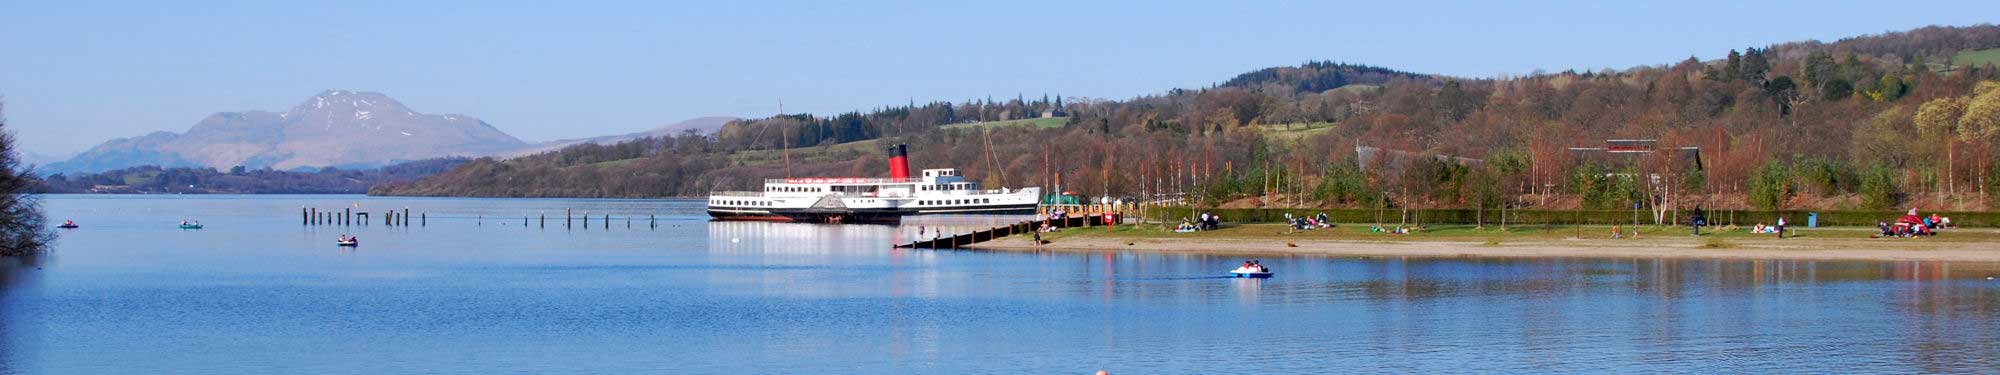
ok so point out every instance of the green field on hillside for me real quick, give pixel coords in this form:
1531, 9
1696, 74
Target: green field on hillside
1357, 88
1294, 132
1040, 123
1974, 58
141, 178
823, 154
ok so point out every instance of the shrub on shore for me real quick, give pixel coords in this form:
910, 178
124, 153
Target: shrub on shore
22, 228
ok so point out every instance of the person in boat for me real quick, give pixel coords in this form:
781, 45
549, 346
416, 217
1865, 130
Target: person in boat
184, 222
1247, 265
68, 223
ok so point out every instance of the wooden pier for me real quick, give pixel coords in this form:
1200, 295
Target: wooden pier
990, 234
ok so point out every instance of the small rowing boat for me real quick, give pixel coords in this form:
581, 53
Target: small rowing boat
190, 226
347, 243
1249, 272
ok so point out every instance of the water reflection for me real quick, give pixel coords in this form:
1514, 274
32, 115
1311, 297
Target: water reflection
695, 296
17, 277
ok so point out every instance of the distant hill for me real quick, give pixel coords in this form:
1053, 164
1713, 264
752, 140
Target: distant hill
335, 128
700, 125
39, 159
1319, 76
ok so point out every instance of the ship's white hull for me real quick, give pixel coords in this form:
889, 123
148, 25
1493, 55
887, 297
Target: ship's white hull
870, 200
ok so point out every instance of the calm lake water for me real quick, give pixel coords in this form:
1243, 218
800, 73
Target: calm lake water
475, 291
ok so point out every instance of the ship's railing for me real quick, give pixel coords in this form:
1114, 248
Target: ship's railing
736, 194
841, 180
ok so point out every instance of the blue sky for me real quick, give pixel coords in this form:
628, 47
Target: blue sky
76, 73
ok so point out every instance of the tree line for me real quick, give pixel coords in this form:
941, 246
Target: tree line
1871, 122
239, 180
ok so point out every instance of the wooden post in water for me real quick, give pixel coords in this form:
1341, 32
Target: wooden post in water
389, 217
424, 219
586, 219
607, 221
545, 219
346, 215
406, 216
652, 221
303, 218
566, 218
314, 215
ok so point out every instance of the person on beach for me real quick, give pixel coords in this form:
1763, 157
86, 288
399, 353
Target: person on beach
1697, 220
1780, 228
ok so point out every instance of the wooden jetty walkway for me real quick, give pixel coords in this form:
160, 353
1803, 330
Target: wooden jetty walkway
990, 234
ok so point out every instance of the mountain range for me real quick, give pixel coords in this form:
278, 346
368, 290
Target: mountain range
336, 128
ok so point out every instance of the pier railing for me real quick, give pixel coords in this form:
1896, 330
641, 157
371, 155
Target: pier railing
841, 180
956, 241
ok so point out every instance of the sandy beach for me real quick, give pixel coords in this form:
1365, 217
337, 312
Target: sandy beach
1820, 244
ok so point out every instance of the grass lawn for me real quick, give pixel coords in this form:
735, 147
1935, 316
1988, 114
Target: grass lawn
1711, 236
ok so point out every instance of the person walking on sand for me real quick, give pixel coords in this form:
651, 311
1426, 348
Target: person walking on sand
1780, 228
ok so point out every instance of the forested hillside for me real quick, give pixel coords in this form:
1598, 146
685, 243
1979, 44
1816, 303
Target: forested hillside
238, 180
1871, 122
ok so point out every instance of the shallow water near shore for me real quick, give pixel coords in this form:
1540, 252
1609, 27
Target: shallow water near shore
476, 291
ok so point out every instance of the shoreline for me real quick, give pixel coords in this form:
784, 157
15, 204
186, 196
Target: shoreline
1818, 247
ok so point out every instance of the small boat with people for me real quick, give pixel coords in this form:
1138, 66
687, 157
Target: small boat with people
347, 241
67, 225
1251, 269
190, 225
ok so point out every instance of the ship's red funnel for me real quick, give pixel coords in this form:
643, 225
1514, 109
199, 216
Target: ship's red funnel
899, 161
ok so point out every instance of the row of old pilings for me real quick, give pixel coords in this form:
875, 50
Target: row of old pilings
571, 218
312, 216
